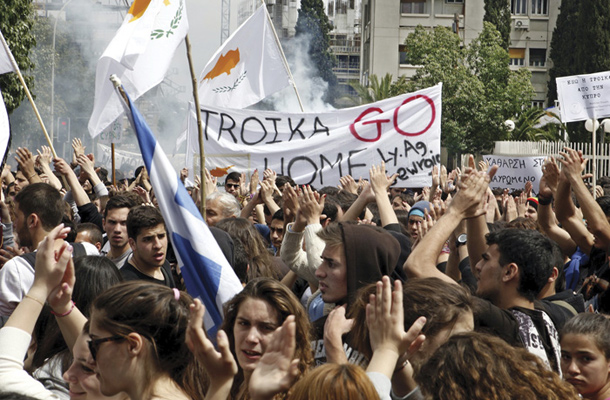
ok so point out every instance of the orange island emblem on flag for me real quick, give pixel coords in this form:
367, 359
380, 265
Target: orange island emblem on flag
224, 65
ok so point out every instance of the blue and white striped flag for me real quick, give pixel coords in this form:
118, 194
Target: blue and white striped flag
207, 273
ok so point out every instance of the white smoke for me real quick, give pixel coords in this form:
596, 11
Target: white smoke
312, 89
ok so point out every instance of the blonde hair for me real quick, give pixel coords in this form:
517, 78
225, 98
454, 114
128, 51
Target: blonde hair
334, 382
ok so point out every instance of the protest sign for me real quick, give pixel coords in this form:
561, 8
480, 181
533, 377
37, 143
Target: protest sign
124, 160
318, 148
113, 133
514, 172
584, 96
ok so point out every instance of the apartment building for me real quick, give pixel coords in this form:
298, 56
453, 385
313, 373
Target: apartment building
386, 24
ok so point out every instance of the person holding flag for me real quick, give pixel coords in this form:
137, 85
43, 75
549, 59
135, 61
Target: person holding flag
207, 273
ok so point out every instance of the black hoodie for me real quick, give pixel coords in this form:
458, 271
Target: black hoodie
370, 253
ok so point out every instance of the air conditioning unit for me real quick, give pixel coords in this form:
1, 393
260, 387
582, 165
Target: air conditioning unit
522, 24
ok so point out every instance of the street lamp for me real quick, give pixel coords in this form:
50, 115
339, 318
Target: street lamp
53, 72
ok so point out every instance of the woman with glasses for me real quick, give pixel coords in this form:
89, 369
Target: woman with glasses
53, 282
138, 343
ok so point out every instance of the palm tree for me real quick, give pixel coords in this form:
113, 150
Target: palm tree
377, 90
536, 124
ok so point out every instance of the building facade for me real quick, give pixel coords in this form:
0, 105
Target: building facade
386, 24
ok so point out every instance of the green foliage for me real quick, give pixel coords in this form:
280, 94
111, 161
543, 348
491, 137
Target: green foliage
497, 12
480, 91
528, 126
16, 20
563, 46
73, 99
375, 91
593, 28
580, 45
314, 22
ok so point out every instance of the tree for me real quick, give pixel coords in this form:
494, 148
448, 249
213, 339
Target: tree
580, 45
375, 91
497, 12
593, 28
314, 22
530, 126
16, 20
480, 91
74, 86
563, 45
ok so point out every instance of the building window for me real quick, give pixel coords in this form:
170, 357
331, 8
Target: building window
518, 7
538, 103
540, 7
403, 54
517, 57
455, 1
537, 57
412, 7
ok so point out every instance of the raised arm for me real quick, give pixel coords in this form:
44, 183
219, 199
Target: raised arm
380, 184
546, 215
573, 165
466, 204
43, 160
79, 194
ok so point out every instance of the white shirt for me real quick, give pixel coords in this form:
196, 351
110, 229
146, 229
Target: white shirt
17, 277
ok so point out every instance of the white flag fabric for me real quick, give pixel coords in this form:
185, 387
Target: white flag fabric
5, 66
247, 68
139, 54
5, 57
5, 129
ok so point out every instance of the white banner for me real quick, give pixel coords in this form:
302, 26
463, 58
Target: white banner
514, 172
122, 159
318, 148
583, 97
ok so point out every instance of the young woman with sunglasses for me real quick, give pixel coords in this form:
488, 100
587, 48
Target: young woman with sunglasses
138, 343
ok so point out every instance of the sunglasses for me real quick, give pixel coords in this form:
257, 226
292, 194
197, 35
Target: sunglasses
232, 185
94, 344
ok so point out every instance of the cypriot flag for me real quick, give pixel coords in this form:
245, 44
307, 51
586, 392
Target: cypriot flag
139, 54
247, 68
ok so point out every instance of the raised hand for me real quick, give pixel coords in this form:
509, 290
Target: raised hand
45, 156
220, 365
52, 259
78, 147
573, 163
348, 184
277, 368
385, 321
379, 181
26, 162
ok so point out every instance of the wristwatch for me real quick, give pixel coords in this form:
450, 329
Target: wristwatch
461, 240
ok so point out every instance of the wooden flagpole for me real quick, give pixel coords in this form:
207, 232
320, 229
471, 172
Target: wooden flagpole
113, 165
28, 94
199, 126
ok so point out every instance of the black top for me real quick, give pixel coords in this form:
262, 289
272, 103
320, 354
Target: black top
131, 273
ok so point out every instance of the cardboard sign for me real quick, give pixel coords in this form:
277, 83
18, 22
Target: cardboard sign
584, 97
514, 172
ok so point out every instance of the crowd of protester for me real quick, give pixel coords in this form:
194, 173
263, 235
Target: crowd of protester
365, 290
